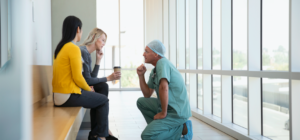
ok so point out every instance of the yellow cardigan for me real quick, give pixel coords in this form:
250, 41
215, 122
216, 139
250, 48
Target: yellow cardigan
67, 71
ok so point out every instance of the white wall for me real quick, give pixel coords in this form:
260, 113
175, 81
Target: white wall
42, 28
85, 10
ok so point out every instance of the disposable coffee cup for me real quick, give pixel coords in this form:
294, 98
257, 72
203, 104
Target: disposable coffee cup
116, 69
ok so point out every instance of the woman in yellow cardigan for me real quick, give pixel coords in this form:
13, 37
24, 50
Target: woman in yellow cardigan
69, 87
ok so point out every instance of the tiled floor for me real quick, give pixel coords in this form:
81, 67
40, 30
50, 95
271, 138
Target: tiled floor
127, 123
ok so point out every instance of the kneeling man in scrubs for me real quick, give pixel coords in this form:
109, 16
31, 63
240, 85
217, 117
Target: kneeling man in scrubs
167, 115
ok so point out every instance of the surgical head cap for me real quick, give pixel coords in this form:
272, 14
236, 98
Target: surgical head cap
157, 47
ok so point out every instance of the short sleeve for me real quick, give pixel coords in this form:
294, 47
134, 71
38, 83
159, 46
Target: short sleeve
163, 71
150, 81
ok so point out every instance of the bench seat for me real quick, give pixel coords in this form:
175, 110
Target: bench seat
57, 123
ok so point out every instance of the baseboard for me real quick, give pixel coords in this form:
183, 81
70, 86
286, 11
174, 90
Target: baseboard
85, 125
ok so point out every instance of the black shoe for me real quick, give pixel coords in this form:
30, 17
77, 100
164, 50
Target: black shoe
92, 137
110, 137
89, 137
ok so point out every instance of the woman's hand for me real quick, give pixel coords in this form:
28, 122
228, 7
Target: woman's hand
92, 88
99, 55
114, 76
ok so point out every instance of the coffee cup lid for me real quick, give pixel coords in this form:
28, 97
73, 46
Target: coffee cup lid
115, 67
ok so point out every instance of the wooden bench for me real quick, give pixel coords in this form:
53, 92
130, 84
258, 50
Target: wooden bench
49, 122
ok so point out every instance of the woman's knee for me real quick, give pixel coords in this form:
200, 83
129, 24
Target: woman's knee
101, 88
104, 106
105, 86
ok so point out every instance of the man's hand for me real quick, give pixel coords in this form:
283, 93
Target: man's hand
160, 115
99, 55
141, 70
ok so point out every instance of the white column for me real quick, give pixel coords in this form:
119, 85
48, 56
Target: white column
294, 35
254, 106
294, 110
254, 35
226, 35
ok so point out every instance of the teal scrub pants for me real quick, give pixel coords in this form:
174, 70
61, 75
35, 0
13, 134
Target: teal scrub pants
169, 128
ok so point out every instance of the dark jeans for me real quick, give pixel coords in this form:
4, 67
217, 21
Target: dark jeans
101, 88
99, 106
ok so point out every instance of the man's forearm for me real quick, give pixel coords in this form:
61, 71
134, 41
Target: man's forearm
144, 87
163, 95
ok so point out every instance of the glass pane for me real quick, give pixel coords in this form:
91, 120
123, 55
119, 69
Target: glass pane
187, 84
101, 74
108, 57
240, 101
132, 33
216, 96
276, 108
200, 92
111, 27
172, 32
181, 36
129, 79
200, 55
216, 37
187, 37
183, 76
240, 28
275, 37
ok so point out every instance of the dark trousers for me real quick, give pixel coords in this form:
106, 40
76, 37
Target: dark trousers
101, 88
98, 103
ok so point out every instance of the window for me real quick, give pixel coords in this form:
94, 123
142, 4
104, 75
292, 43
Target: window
216, 96
276, 108
275, 35
187, 84
199, 33
240, 101
200, 92
216, 34
181, 34
125, 45
239, 34
187, 30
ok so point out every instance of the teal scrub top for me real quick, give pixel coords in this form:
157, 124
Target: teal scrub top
178, 98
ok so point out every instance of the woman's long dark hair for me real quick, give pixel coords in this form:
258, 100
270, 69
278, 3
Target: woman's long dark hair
70, 25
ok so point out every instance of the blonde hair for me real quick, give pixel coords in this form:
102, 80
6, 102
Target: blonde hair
93, 36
